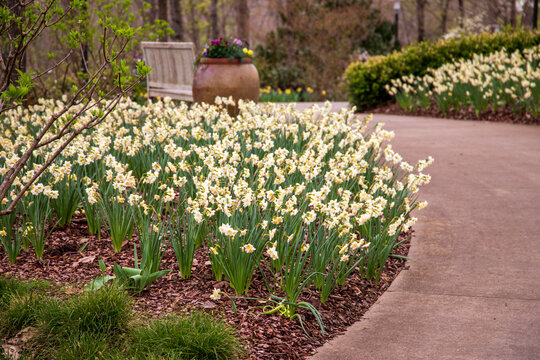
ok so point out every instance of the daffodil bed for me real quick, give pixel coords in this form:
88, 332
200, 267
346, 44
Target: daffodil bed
498, 86
299, 207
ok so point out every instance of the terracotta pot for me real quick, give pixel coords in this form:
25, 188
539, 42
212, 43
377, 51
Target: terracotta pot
226, 77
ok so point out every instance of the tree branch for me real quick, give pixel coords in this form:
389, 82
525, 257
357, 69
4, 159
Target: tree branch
94, 121
54, 66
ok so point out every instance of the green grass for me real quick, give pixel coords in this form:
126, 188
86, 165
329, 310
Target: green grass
89, 346
195, 336
10, 287
21, 311
19, 303
107, 311
100, 325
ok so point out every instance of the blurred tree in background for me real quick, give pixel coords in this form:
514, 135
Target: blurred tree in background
299, 43
316, 40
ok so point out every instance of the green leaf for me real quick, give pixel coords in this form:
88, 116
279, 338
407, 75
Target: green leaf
98, 283
102, 266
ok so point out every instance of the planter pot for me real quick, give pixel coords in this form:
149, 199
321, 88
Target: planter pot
226, 77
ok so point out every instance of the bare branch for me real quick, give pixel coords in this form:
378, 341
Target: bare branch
2, 63
83, 95
54, 66
97, 77
85, 62
94, 121
39, 20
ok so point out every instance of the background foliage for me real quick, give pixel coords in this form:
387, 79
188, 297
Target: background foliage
315, 41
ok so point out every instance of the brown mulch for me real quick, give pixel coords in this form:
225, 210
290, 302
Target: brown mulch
266, 336
501, 115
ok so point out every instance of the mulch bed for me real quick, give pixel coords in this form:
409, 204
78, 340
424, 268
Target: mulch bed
501, 115
266, 336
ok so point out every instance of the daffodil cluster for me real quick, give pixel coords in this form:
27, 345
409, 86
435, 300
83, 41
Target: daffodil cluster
485, 82
310, 195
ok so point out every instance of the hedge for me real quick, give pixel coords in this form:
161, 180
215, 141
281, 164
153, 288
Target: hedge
366, 81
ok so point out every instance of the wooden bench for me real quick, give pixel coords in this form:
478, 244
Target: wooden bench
172, 69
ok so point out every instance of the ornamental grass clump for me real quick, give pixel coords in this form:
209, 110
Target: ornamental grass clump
101, 325
483, 83
193, 336
303, 198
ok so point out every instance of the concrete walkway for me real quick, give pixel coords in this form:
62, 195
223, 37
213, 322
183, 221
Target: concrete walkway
473, 287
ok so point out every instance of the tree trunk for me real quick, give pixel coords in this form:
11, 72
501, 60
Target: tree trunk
152, 14
444, 16
194, 29
461, 6
494, 13
214, 31
513, 13
420, 16
242, 20
163, 13
177, 20
535, 15
16, 31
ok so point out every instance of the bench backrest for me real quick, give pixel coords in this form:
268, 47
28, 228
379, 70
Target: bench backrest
173, 66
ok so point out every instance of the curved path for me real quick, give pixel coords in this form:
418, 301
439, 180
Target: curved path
472, 290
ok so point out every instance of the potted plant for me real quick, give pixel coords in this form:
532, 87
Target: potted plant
225, 69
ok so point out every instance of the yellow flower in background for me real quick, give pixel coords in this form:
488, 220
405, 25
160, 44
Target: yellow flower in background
250, 53
323, 92
245, 50
309, 90
3, 232
288, 91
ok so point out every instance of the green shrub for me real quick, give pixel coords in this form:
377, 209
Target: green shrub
196, 336
366, 81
